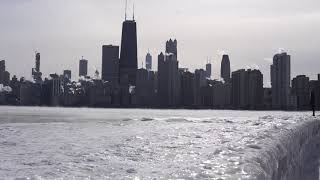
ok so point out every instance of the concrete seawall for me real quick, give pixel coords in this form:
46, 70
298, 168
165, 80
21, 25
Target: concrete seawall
295, 156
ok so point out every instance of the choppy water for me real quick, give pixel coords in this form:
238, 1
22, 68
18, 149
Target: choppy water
57, 143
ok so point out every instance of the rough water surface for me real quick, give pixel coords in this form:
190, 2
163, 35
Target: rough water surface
58, 143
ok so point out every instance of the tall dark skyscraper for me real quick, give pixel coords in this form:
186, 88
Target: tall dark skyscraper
36, 71
172, 47
208, 70
67, 74
301, 89
37, 62
247, 89
239, 91
280, 80
4, 75
168, 80
225, 68
83, 67
149, 62
2, 65
2, 70
128, 55
110, 63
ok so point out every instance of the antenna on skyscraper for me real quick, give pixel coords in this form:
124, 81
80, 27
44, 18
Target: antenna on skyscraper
125, 11
133, 12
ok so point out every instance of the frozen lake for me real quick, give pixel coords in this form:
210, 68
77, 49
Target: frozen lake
57, 143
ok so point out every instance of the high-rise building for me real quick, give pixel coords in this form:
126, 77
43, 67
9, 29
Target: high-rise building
280, 80
168, 80
225, 68
301, 89
200, 81
128, 55
2, 70
255, 89
208, 70
221, 95
145, 88
172, 47
6, 78
247, 89
110, 64
187, 89
2, 65
37, 62
4, 75
67, 74
36, 73
239, 92
149, 62
83, 67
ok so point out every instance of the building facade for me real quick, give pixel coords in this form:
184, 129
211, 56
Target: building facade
83, 67
168, 81
67, 74
301, 90
225, 68
280, 80
208, 70
128, 55
110, 64
149, 62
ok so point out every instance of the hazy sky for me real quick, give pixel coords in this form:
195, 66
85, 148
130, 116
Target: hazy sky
250, 31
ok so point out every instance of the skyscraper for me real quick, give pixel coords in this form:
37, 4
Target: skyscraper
200, 81
145, 88
168, 80
83, 67
3, 74
149, 62
239, 92
247, 89
208, 70
280, 80
225, 68
36, 74
301, 89
110, 63
172, 47
187, 89
255, 89
37, 62
128, 55
67, 74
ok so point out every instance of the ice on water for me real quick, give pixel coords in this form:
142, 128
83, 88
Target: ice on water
57, 143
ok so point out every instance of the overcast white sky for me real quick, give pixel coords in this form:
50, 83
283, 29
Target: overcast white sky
250, 31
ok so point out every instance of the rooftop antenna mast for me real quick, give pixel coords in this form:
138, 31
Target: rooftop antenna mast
133, 12
125, 11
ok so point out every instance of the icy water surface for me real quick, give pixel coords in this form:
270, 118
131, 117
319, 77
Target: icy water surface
57, 143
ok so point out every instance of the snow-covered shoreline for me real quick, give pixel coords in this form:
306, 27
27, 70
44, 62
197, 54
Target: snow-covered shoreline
57, 143
294, 156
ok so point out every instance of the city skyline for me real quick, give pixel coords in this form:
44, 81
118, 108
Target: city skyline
194, 49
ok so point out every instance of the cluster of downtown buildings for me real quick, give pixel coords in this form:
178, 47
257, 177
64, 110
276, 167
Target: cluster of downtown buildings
123, 85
